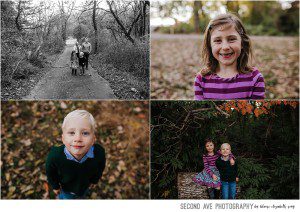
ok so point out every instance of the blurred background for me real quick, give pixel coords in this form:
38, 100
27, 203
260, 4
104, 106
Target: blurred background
30, 129
177, 29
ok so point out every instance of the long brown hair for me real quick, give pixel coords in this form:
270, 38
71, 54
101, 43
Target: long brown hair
210, 62
208, 140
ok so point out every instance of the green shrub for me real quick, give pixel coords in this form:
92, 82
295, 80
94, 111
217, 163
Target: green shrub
184, 28
253, 178
286, 172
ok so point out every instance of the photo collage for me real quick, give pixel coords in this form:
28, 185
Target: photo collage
150, 100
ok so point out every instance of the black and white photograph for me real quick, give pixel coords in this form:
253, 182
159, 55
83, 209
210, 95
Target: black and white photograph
71, 49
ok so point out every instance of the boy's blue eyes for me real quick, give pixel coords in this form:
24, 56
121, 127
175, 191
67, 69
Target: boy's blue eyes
83, 133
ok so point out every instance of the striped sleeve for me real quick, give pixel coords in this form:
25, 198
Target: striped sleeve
259, 86
206, 166
197, 88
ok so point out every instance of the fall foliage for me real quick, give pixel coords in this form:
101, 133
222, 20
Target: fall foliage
176, 59
30, 128
263, 136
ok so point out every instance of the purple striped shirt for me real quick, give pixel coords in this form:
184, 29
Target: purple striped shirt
242, 86
210, 160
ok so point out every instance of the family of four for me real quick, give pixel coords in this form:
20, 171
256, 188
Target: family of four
80, 57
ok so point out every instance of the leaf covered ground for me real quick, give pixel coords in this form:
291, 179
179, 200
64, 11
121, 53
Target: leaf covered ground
176, 59
29, 129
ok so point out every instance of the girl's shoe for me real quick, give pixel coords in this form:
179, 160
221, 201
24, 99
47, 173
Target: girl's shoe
217, 193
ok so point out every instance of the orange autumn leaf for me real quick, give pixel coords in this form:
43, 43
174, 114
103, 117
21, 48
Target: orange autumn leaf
264, 110
142, 116
249, 108
266, 104
244, 111
46, 187
227, 108
256, 112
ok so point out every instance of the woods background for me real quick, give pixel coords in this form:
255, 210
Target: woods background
177, 34
34, 32
30, 129
263, 136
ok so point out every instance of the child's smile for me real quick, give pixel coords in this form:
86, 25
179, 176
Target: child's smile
78, 136
226, 55
226, 45
77, 147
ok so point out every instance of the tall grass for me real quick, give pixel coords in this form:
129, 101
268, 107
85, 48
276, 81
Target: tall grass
124, 55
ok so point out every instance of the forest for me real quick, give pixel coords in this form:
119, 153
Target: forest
259, 17
34, 33
263, 135
30, 128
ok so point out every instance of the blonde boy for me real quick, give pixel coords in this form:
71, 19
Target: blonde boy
228, 172
78, 164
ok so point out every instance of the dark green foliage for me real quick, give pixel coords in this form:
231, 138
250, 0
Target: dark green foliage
286, 168
266, 147
259, 17
254, 178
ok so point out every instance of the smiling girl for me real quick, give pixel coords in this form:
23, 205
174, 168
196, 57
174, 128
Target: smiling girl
210, 176
226, 52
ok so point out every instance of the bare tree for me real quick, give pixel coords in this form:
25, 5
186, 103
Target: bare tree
65, 7
126, 29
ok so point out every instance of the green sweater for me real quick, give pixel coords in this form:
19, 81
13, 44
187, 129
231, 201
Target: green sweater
72, 176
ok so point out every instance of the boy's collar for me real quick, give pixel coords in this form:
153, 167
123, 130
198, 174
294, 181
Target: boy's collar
225, 159
89, 154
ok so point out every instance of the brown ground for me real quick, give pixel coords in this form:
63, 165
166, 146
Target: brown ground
175, 60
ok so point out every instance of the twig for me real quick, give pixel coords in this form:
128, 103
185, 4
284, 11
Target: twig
13, 72
221, 111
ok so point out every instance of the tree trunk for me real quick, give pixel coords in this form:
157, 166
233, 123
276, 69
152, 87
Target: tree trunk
64, 30
188, 189
95, 27
18, 17
197, 6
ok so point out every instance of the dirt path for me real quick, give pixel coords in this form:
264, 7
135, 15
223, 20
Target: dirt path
60, 84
